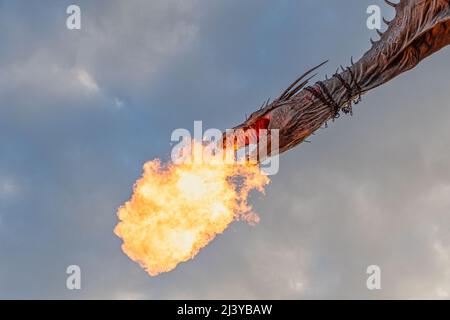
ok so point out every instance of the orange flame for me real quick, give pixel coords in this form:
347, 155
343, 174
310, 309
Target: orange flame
176, 210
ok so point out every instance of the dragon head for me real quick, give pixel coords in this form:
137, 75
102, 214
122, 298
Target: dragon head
419, 29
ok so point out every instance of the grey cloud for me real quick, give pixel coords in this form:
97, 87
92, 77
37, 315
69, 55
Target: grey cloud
370, 189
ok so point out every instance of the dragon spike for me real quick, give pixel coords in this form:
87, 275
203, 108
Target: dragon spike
342, 68
392, 4
267, 102
300, 79
371, 41
351, 60
326, 77
386, 22
301, 85
380, 33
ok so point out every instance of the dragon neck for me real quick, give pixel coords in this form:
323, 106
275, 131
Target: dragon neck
419, 29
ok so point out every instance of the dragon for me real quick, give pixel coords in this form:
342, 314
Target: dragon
419, 29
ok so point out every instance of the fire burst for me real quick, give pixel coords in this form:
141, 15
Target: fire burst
176, 210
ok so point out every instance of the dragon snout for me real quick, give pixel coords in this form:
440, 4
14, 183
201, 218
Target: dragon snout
246, 133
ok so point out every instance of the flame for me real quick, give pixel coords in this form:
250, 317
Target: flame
176, 210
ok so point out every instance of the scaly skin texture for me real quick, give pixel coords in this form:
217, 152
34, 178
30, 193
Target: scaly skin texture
419, 29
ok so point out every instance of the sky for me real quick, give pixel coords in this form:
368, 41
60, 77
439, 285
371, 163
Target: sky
82, 110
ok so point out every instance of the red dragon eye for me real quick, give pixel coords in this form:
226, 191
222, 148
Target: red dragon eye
262, 123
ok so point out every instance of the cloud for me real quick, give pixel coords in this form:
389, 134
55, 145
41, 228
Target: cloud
9, 188
121, 48
371, 189
86, 80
